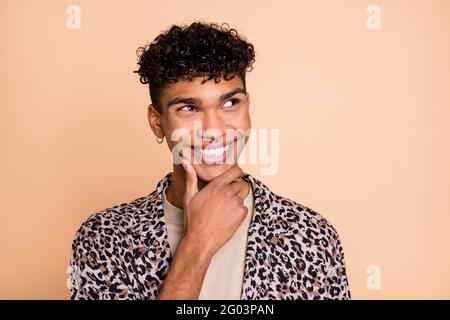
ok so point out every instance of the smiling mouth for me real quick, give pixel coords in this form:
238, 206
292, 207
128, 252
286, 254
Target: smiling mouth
212, 153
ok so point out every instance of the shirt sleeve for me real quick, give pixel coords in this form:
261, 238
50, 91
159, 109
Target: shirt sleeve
337, 286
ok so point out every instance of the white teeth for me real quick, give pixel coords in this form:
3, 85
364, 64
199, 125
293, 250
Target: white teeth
216, 152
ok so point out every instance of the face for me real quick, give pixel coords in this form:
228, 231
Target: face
207, 124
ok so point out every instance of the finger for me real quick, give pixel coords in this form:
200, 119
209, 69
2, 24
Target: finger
191, 181
239, 187
236, 185
240, 199
236, 196
231, 174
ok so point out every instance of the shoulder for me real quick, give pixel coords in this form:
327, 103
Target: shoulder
293, 218
313, 224
110, 225
117, 226
100, 247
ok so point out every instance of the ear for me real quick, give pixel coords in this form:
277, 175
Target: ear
154, 120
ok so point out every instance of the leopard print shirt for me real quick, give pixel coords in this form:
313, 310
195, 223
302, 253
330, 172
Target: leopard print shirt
292, 251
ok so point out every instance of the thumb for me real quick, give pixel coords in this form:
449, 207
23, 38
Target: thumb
191, 181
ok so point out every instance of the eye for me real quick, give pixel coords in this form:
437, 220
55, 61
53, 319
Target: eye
230, 103
187, 108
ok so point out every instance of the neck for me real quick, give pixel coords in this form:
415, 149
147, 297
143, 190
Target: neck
175, 192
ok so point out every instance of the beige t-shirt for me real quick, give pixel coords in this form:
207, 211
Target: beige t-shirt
224, 277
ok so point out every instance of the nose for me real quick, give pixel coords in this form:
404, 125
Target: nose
213, 126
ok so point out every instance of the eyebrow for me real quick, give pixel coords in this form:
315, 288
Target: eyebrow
193, 100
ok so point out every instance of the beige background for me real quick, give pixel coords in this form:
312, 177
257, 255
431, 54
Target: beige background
363, 116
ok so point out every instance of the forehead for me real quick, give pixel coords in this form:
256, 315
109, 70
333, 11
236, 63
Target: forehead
209, 90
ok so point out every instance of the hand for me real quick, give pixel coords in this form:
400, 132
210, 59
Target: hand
212, 215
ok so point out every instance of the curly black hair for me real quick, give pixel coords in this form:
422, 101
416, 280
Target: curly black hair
204, 50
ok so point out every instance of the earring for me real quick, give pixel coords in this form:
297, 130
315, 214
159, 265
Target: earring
160, 140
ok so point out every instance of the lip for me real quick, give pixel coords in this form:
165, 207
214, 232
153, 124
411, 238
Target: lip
212, 153
212, 145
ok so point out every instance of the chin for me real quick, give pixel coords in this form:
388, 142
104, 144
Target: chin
207, 173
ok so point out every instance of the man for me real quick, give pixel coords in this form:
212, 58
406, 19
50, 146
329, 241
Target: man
208, 231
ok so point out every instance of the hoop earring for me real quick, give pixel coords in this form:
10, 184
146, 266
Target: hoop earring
160, 140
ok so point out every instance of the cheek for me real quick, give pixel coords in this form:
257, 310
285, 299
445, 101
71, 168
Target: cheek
240, 119
176, 131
